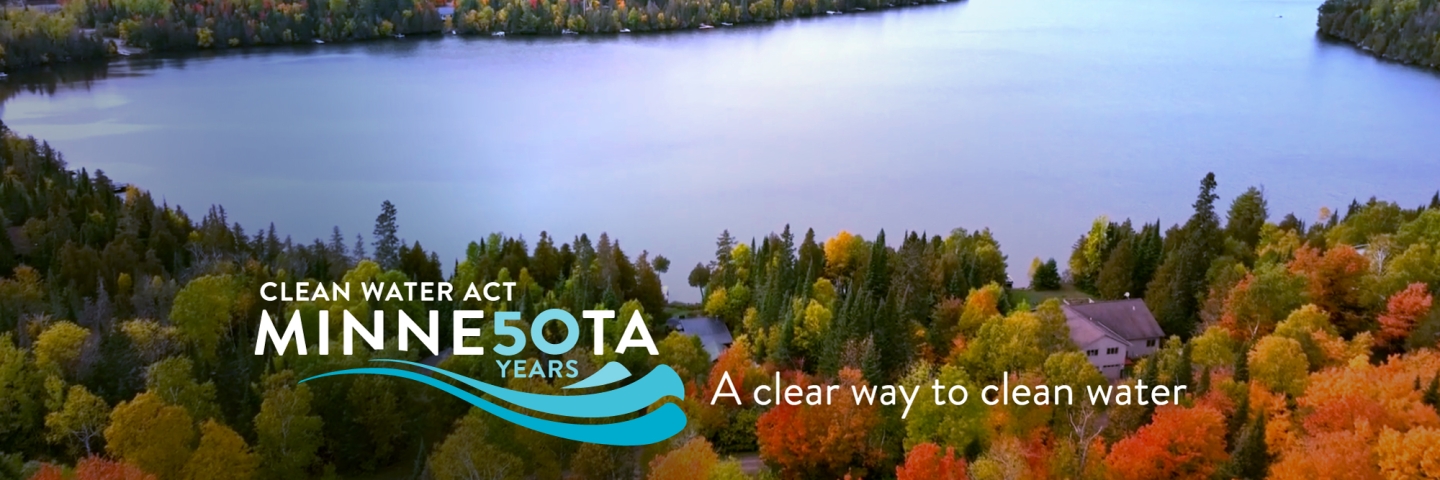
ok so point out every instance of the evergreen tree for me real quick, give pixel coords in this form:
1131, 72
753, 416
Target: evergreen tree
1184, 371
1237, 421
1247, 215
1251, 458
386, 243
1435, 201
1174, 295
1047, 276
1431, 396
1117, 275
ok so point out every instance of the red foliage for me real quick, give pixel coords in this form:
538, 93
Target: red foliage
96, 468
48, 472
1181, 443
924, 462
823, 440
1403, 311
1333, 279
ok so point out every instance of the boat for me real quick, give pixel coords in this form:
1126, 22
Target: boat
706, 27
624, 30
726, 24
498, 34
318, 41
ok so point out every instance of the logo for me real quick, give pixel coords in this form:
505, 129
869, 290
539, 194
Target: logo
655, 426
606, 417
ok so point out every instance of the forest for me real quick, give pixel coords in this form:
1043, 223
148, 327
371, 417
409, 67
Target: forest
1406, 31
1309, 347
77, 32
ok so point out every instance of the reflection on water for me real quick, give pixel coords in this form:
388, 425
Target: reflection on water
1030, 117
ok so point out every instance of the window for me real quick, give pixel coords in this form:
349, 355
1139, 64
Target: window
1150, 342
1112, 366
1091, 353
1112, 350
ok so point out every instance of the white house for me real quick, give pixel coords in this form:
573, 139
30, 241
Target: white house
1111, 332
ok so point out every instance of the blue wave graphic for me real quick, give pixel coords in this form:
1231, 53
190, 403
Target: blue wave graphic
610, 373
652, 427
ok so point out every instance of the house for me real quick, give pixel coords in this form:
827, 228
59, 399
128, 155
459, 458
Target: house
1111, 332
713, 333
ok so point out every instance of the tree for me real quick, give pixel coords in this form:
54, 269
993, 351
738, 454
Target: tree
1252, 456
925, 462
202, 312
288, 435
386, 245
1403, 311
465, 454
603, 462
962, 426
20, 408
823, 440
81, 420
1260, 300
171, 379
1182, 443
1411, 454
1334, 278
686, 355
61, 348
1174, 293
151, 435
699, 277
222, 455
694, 459
96, 468
1279, 364
1247, 216
842, 254
1342, 455
1046, 277
1117, 274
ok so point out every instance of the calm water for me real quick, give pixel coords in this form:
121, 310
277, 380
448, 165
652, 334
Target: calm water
1030, 117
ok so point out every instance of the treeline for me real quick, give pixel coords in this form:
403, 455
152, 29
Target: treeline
1402, 30
29, 37
127, 332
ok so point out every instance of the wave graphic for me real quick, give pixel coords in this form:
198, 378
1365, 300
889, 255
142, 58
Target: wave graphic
652, 427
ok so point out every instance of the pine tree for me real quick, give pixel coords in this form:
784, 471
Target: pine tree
1251, 458
1435, 201
1237, 421
1247, 215
1242, 365
1431, 396
1174, 294
386, 243
1184, 372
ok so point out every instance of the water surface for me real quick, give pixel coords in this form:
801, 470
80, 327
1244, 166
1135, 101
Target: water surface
1029, 117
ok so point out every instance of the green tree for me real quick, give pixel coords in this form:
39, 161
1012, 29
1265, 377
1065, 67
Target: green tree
1046, 277
202, 312
1251, 459
222, 455
80, 422
1174, 295
386, 245
156, 437
1247, 216
962, 426
173, 381
466, 455
20, 409
686, 355
288, 435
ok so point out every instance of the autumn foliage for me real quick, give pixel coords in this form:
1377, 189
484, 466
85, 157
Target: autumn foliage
826, 440
695, 459
1181, 443
925, 462
1403, 310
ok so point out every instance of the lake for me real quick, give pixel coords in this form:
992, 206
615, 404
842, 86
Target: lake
1030, 117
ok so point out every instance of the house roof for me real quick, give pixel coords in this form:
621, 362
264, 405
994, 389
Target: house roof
713, 333
1129, 320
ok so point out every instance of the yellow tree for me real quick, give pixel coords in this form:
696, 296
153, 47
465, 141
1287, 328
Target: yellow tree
154, 436
465, 454
1411, 455
1279, 364
222, 455
288, 435
61, 348
82, 418
694, 459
